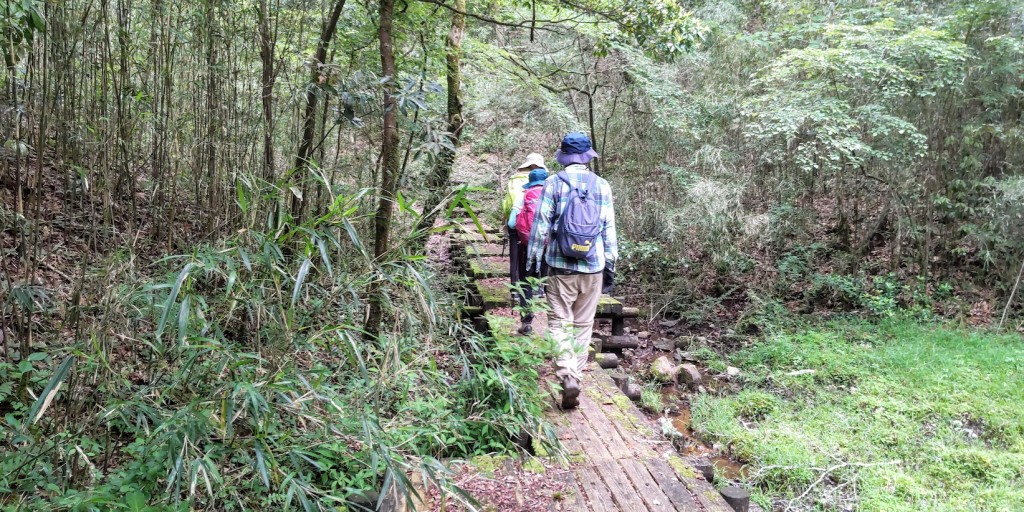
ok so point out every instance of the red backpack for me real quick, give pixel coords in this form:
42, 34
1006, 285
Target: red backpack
524, 221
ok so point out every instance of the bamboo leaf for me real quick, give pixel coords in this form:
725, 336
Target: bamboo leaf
50, 391
298, 280
171, 299
261, 466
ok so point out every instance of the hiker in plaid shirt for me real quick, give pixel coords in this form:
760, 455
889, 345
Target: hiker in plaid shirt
574, 286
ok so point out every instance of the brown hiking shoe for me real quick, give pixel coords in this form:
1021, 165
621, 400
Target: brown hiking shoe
570, 393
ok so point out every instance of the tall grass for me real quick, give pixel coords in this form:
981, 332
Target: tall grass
237, 377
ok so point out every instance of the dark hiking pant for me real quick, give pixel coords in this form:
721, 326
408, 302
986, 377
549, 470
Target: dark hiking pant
517, 257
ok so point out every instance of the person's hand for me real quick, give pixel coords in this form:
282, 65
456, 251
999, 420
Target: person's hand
608, 280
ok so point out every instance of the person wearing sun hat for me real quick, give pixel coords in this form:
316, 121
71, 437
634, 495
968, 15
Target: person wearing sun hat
576, 271
520, 220
514, 195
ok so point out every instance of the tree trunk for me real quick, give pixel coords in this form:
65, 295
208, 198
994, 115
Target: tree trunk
267, 89
309, 118
389, 159
437, 181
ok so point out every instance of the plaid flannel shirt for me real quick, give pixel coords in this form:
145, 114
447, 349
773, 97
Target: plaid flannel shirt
553, 201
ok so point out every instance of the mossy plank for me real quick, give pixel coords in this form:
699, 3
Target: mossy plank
484, 250
483, 269
608, 306
493, 295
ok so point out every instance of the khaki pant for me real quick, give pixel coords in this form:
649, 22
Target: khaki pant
573, 300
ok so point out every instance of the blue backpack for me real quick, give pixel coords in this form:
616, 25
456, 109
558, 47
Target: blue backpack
580, 222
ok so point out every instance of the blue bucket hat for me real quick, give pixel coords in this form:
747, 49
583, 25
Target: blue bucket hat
575, 149
537, 177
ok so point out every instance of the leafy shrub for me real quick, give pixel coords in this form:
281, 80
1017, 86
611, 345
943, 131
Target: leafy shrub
756, 405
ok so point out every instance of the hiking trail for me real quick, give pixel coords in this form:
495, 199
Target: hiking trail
619, 461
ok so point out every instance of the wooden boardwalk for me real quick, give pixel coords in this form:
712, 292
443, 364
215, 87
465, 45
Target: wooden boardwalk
619, 460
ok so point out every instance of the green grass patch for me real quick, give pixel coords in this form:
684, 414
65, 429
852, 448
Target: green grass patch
901, 415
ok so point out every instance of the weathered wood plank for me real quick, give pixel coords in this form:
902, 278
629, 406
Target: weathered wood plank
618, 446
701, 489
646, 487
598, 499
485, 250
484, 269
572, 499
633, 424
669, 483
498, 295
611, 472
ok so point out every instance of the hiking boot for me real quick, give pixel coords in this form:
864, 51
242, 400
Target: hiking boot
526, 329
570, 393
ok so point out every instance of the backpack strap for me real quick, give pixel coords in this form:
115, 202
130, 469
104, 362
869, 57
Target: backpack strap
590, 180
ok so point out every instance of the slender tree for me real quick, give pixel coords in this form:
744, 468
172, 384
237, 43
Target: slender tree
437, 180
389, 157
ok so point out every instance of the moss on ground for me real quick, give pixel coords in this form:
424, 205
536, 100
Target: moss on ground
681, 467
488, 464
927, 417
534, 465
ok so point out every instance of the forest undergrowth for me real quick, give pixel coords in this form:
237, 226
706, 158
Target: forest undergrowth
238, 377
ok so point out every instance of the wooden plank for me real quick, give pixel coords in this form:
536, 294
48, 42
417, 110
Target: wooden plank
484, 250
701, 489
572, 498
636, 424
483, 269
704, 492
645, 485
618, 446
669, 483
609, 306
493, 295
598, 499
621, 490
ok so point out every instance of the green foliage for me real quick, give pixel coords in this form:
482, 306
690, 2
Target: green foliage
242, 382
920, 416
650, 400
19, 23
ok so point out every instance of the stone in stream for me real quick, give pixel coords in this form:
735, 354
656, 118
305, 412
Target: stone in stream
665, 344
737, 498
690, 376
620, 379
689, 357
663, 370
684, 342
706, 468
607, 360
632, 391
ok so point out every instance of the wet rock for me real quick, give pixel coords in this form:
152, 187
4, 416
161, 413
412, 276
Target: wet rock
607, 360
690, 357
632, 391
737, 498
663, 370
690, 376
665, 344
706, 468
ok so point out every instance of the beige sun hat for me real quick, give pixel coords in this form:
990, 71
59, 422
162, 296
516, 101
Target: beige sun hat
533, 159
